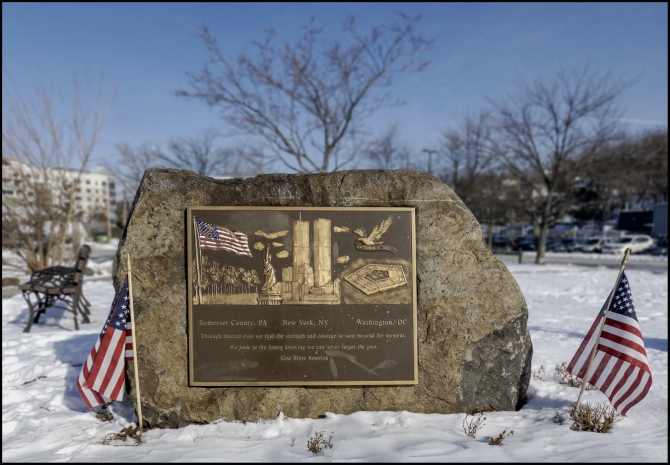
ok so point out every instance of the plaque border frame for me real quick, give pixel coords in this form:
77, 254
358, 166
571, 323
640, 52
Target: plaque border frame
189, 278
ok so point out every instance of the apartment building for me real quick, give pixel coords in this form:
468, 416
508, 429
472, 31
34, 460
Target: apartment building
95, 191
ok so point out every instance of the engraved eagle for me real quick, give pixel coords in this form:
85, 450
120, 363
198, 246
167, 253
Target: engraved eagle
375, 234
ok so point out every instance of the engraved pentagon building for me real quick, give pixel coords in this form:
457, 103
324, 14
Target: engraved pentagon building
372, 278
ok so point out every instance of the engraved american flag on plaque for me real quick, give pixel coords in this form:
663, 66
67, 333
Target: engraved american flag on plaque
213, 237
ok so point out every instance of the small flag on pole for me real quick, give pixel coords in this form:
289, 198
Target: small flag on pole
213, 237
620, 367
102, 377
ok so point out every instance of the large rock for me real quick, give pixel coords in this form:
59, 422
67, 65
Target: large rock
474, 346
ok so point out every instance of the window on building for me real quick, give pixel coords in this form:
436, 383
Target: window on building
88, 181
88, 191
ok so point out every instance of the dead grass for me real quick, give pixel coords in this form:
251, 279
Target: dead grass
498, 441
540, 374
471, 426
103, 416
565, 377
558, 418
597, 418
483, 410
316, 443
130, 432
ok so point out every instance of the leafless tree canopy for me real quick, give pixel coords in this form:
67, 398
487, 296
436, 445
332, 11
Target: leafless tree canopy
306, 101
467, 155
48, 136
198, 153
387, 152
131, 164
546, 130
635, 170
201, 155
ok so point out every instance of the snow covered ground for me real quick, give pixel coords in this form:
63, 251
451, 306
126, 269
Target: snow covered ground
44, 419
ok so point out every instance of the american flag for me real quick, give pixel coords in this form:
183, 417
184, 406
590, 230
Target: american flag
620, 367
102, 378
213, 237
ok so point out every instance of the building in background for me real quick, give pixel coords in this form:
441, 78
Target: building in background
95, 193
660, 223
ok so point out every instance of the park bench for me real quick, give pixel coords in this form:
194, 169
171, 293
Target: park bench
48, 286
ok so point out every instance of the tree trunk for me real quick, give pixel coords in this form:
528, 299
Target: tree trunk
490, 240
544, 232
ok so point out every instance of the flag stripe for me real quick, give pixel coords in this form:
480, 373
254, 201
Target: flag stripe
623, 323
580, 361
637, 395
616, 389
617, 336
621, 352
129, 342
600, 362
627, 385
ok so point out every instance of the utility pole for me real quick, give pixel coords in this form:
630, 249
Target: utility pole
430, 153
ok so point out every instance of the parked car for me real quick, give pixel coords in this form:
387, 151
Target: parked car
525, 243
561, 245
636, 243
592, 244
502, 242
660, 249
657, 250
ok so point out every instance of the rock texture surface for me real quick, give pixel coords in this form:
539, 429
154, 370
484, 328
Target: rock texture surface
474, 345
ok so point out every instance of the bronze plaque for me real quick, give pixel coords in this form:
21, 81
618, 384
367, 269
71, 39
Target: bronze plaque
287, 296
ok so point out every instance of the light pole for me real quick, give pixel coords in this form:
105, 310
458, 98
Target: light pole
430, 153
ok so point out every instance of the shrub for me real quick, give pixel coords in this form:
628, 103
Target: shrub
540, 374
597, 418
559, 419
129, 432
498, 441
471, 426
316, 442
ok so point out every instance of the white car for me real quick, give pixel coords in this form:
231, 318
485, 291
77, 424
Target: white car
636, 243
593, 244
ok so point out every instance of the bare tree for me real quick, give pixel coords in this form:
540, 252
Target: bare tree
48, 137
545, 130
632, 171
131, 163
467, 154
196, 153
307, 105
200, 155
387, 153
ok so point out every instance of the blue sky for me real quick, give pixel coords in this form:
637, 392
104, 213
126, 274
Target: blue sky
481, 50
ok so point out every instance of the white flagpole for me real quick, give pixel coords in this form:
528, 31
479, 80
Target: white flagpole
137, 373
600, 330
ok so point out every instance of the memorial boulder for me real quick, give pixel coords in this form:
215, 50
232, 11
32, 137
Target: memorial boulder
469, 347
